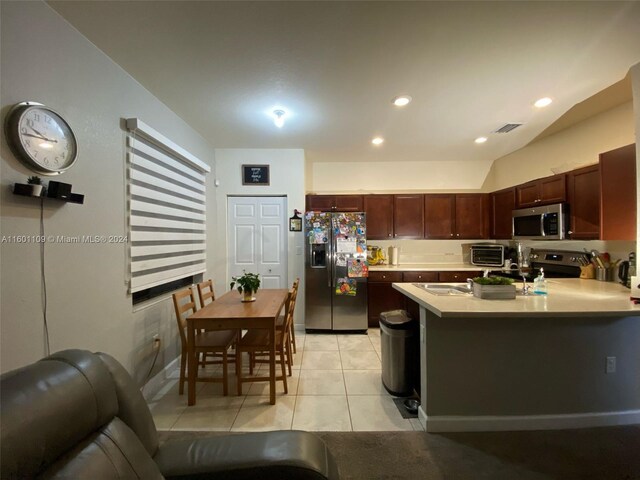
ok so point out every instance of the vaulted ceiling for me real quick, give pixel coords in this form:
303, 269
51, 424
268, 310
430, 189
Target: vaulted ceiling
470, 67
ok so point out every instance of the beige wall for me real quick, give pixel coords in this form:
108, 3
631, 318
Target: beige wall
44, 59
566, 150
287, 177
380, 177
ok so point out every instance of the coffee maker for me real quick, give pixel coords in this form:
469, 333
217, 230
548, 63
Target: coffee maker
627, 269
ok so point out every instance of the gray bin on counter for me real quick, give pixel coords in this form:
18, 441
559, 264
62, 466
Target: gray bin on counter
400, 352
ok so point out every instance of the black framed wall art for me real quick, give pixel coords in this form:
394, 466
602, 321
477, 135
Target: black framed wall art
255, 175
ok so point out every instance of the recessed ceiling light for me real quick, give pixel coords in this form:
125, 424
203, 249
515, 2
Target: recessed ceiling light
543, 102
401, 100
278, 118
377, 141
480, 139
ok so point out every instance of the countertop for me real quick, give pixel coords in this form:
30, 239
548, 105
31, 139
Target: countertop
567, 297
426, 267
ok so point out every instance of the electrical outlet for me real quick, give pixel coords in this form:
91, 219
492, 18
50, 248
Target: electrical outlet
611, 365
156, 340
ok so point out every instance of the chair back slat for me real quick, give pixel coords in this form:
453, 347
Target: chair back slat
183, 309
205, 292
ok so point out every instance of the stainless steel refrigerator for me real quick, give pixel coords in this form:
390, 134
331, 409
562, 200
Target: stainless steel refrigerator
336, 271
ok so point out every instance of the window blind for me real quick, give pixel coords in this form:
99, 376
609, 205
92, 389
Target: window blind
167, 209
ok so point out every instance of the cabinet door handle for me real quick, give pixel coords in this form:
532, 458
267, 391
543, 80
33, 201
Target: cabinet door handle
389, 234
570, 232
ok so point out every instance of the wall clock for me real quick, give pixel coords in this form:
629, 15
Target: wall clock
40, 138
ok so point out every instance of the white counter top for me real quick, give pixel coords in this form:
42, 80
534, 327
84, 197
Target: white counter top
425, 267
568, 297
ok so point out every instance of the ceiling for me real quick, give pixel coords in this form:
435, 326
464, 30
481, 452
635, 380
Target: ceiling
335, 66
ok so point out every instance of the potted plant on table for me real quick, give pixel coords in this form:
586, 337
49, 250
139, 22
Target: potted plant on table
247, 285
36, 185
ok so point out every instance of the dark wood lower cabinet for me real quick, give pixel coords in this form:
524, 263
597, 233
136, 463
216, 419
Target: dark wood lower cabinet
459, 276
381, 296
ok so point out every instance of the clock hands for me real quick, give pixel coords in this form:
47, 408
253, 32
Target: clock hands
40, 135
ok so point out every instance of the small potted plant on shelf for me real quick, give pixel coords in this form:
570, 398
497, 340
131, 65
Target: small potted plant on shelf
247, 285
36, 185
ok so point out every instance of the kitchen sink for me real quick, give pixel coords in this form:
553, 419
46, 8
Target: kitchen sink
444, 289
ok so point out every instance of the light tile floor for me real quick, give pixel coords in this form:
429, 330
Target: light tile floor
336, 386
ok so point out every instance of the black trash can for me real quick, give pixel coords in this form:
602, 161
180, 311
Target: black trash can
400, 348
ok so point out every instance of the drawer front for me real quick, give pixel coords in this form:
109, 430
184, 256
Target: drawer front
420, 276
457, 276
385, 276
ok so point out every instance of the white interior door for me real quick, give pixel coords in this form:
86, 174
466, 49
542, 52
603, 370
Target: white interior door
257, 238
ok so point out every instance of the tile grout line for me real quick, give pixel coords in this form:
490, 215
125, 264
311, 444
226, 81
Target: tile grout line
295, 401
346, 395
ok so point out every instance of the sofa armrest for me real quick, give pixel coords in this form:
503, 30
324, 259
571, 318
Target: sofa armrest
264, 455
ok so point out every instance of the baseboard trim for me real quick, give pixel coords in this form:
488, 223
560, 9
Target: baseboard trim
496, 423
152, 387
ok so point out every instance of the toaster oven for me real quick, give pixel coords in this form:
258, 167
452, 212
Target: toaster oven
487, 255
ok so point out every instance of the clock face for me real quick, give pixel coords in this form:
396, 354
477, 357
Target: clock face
42, 138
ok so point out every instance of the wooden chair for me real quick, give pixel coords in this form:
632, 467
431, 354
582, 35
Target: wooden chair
205, 292
214, 341
257, 341
292, 329
284, 323
207, 295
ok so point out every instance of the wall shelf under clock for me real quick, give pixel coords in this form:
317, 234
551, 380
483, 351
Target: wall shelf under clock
25, 191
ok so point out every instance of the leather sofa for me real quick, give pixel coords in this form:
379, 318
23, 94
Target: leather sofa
79, 415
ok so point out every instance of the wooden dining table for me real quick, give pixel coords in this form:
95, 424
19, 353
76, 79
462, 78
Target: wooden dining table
230, 312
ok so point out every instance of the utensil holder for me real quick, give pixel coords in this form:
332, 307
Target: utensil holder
588, 271
604, 274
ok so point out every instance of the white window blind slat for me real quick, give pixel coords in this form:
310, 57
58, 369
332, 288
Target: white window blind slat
173, 188
161, 169
167, 209
158, 263
146, 236
153, 280
142, 249
186, 224
145, 194
175, 211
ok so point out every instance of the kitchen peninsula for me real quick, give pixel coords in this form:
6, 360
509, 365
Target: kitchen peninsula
565, 360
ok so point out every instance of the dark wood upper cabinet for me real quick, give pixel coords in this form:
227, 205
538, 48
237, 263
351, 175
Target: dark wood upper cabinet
408, 216
472, 215
502, 204
349, 203
583, 187
618, 194
542, 191
462, 215
439, 216
379, 211
334, 203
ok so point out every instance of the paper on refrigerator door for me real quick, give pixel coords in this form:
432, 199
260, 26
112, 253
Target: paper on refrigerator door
346, 245
346, 286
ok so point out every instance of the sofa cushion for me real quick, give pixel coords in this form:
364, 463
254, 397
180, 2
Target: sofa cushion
50, 406
264, 455
113, 451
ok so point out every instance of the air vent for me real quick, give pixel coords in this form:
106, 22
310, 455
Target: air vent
507, 127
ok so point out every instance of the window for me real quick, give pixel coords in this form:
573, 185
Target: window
167, 210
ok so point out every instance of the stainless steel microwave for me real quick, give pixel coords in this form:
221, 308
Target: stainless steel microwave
540, 223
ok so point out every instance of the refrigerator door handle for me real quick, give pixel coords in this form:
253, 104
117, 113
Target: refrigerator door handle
330, 268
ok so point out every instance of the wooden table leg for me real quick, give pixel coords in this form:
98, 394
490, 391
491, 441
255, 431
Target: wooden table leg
192, 364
